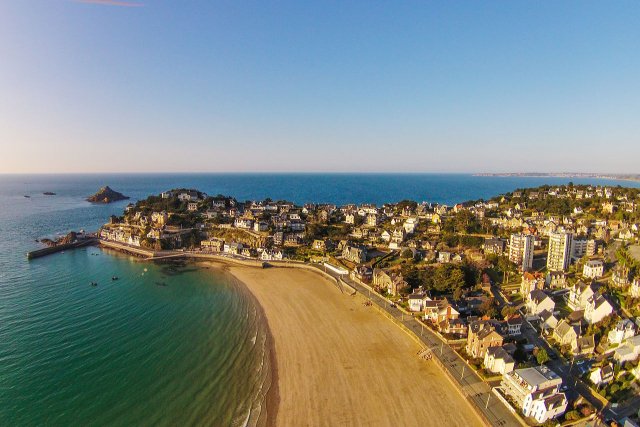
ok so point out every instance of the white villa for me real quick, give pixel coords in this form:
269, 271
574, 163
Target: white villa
538, 301
598, 307
628, 351
593, 269
497, 360
623, 330
536, 391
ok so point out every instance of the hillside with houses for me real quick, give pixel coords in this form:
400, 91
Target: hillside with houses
538, 289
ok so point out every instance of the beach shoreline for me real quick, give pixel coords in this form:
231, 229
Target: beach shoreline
290, 399
272, 397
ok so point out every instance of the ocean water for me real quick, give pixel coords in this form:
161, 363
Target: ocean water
164, 344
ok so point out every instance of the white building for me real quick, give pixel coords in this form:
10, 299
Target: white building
602, 375
593, 269
559, 254
579, 248
521, 250
188, 196
538, 301
271, 255
634, 289
410, 225
497, 360
598, 307
536, 391
350, 218
260, 226
579, 295
233, 248
623, 330
628, 351
417, 300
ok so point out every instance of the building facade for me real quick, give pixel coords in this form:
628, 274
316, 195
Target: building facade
521, 251
559, 254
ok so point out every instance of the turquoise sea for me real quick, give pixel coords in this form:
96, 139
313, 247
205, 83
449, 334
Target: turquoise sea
164, 344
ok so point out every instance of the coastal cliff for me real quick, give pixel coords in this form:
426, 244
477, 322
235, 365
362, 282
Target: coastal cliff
106, 195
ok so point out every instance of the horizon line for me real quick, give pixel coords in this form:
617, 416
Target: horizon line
534, 174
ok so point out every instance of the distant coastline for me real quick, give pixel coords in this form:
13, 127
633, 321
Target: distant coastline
621, 177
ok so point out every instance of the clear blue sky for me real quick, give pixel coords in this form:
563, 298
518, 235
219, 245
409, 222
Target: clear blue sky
319, 86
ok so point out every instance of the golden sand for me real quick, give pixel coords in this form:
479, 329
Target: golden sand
341, 363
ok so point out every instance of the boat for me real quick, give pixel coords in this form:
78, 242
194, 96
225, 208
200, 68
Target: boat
28, 197
49, 193
114, 278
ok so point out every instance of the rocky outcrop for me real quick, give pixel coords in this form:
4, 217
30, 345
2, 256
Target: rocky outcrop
72, 237
106, 195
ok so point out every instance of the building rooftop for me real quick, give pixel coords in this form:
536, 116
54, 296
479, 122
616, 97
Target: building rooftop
536, 375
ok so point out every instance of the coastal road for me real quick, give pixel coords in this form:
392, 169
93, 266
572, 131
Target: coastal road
473, 387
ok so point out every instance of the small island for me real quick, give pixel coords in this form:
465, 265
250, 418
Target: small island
106, 195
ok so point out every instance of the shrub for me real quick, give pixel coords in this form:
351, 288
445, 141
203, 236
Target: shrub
572, 415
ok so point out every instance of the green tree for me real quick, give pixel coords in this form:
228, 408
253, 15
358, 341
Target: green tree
489, 308
457, 294
507, 268
541, 356
507, 311
572, 415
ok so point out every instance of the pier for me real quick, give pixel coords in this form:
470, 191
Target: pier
59, 248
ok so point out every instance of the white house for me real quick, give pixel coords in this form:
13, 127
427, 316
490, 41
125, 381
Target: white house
634, 289
531, 281
579, 295
548, 321
233, 248
623, 330
538, 301
602, 375
567, 334
598, 307
593, 269
628, 351
187, 196
514, 326
536, 391
547, 408
417, 300
350, 218
410, 225
497, 360
271, 255
260, 226
444, 257
243, 223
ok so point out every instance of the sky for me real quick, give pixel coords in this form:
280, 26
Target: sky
326, 86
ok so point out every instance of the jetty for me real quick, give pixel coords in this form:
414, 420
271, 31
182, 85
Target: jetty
61, 247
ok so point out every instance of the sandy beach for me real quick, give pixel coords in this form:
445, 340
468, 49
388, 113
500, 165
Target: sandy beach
342, 363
